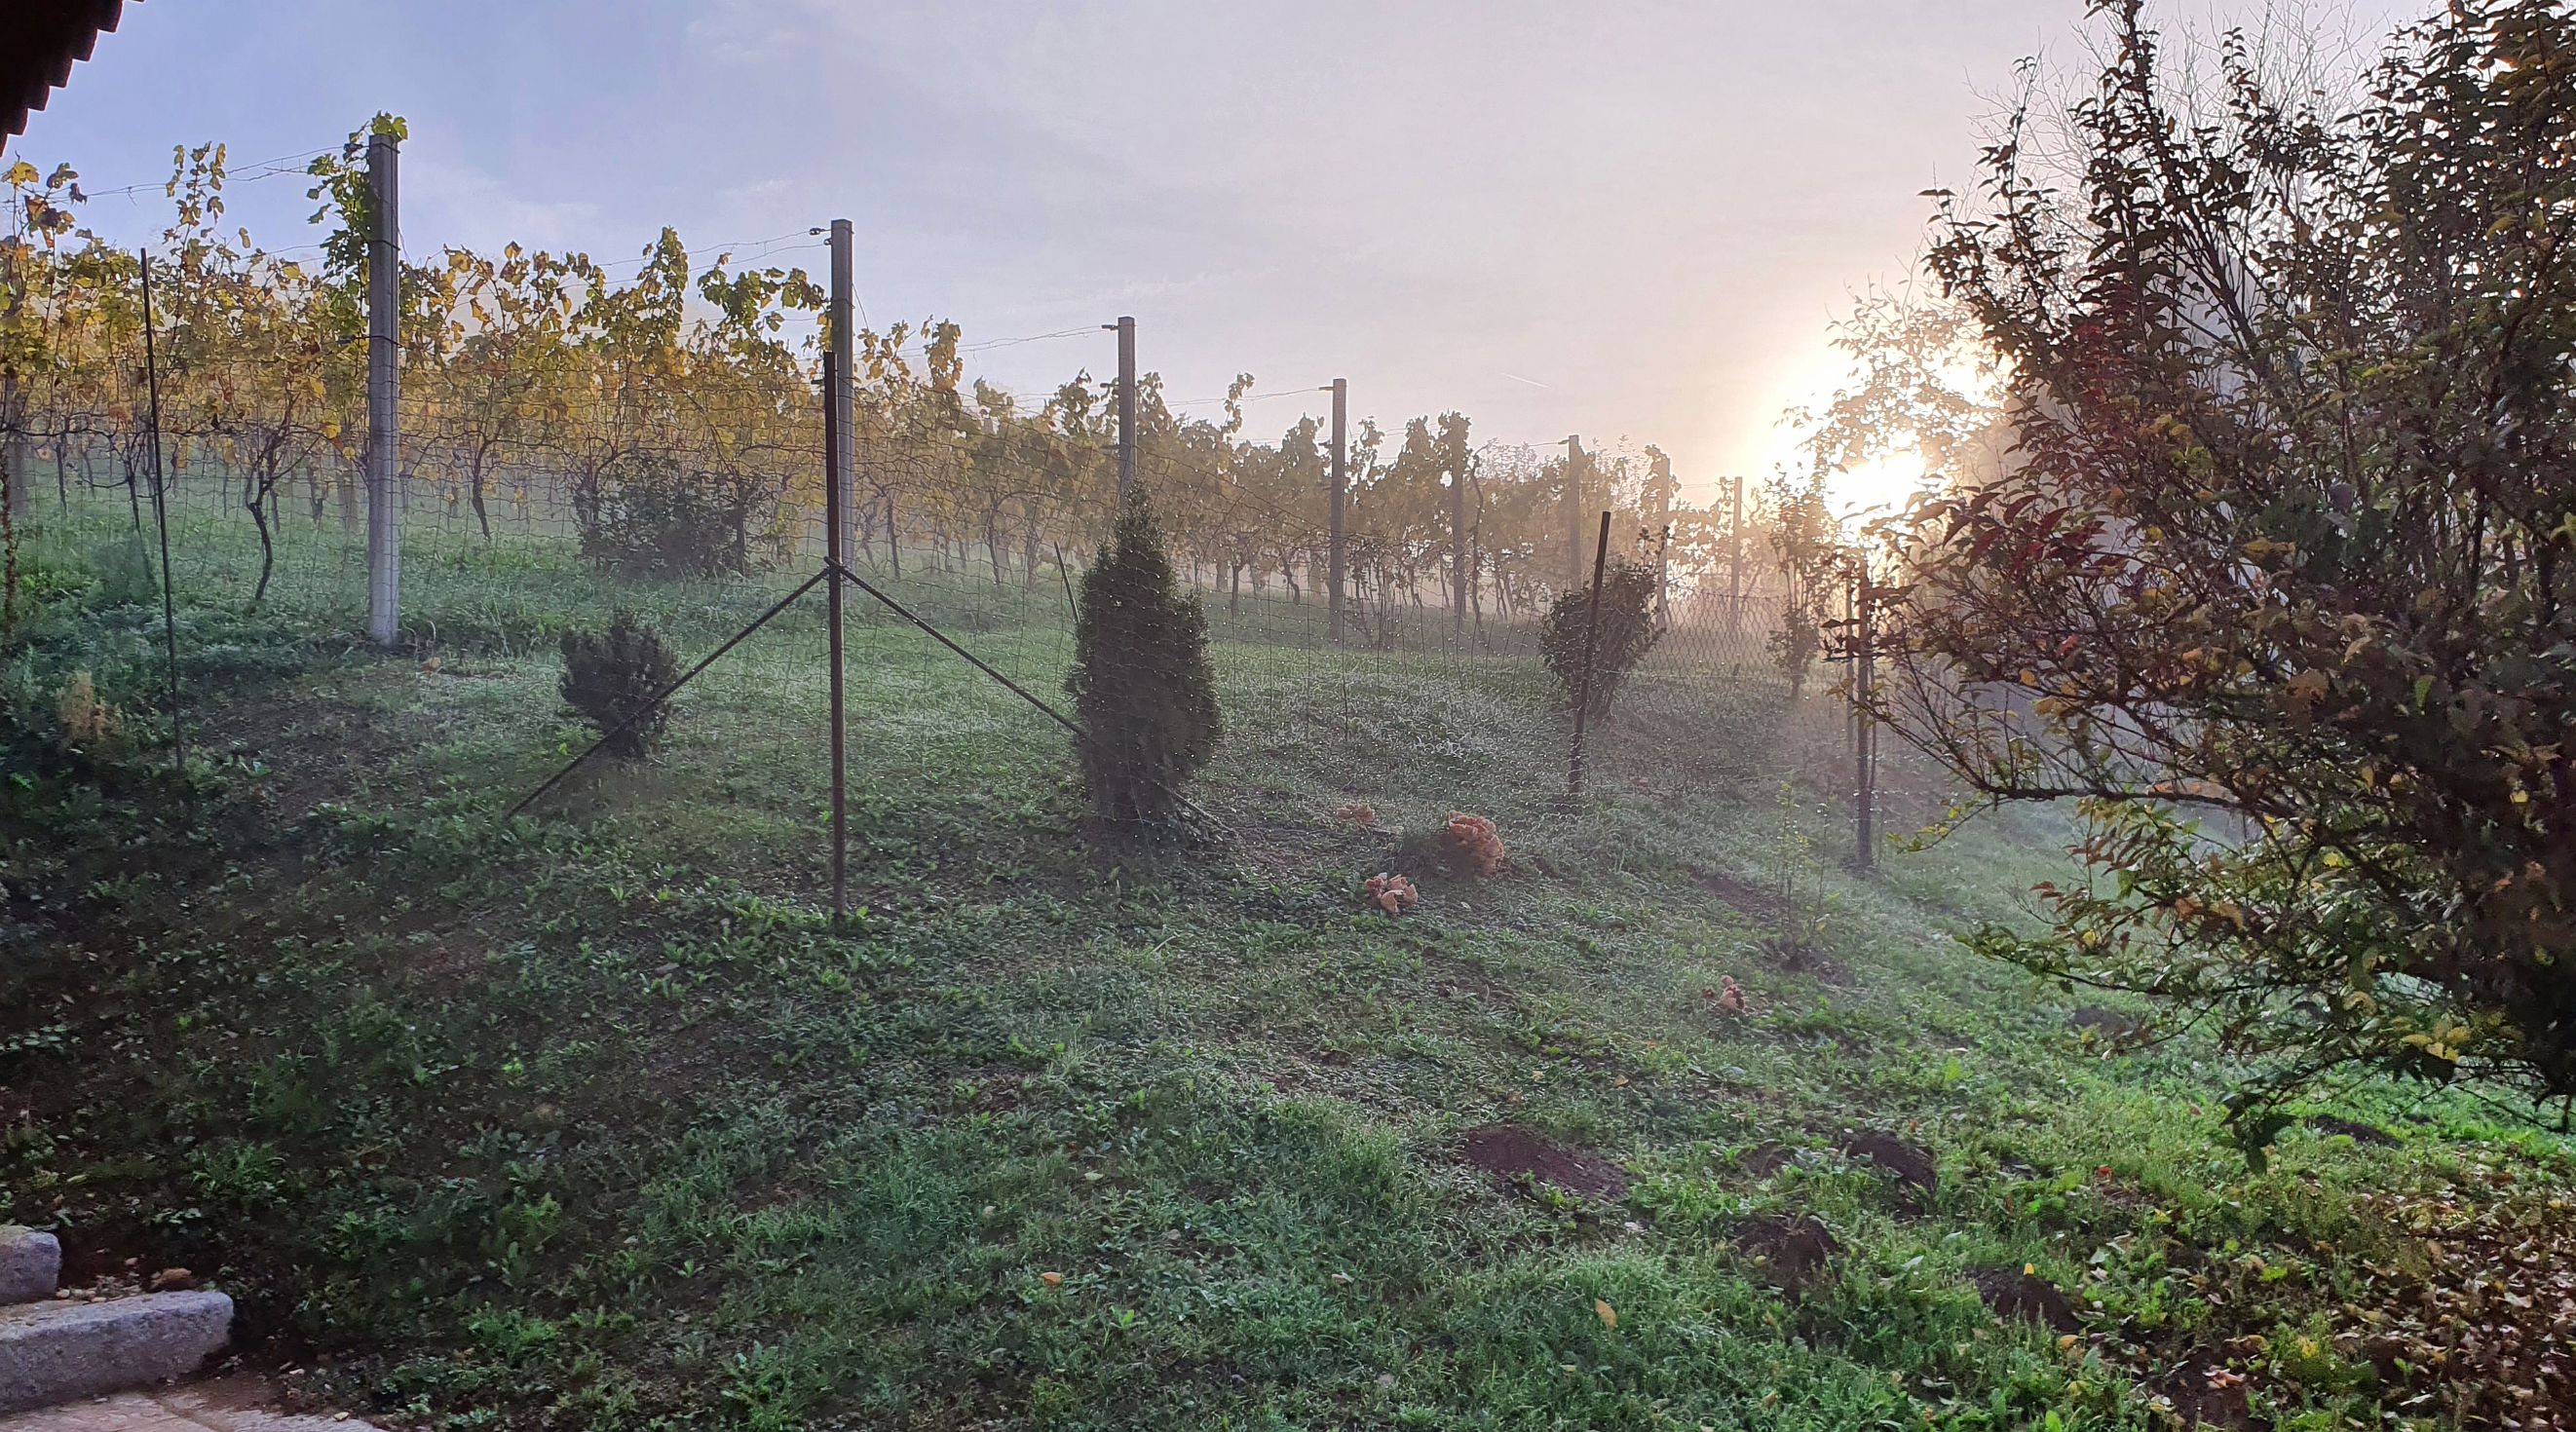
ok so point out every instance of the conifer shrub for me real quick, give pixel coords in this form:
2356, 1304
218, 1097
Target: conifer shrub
1143, 688
609, 676
1628, 632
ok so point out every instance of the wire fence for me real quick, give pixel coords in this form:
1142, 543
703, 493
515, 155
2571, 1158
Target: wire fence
1418, 694
547, 476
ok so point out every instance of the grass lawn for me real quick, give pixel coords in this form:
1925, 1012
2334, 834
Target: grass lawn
594, 1120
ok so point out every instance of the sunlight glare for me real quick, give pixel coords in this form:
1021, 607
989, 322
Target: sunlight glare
1876, 488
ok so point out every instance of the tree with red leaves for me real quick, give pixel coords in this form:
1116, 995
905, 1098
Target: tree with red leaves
2277, 588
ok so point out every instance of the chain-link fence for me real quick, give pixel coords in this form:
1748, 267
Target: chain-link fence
571, 444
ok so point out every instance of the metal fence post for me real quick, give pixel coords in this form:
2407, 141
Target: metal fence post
161, 522
384, 393
1735, 560
1337, 561
843, 466
1458, 576
1573, 511
839, 452
1583, 683
1126, 409
832, 555
1864, 730
1663, 480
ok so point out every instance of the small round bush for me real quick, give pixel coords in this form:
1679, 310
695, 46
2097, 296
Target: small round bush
1628, 632
613, 675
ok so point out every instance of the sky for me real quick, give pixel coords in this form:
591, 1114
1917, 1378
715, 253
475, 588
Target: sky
1625, 220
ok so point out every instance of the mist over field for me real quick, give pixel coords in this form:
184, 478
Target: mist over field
1128, 715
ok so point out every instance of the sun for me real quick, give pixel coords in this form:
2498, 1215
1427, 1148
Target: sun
1876, 488
1864, 491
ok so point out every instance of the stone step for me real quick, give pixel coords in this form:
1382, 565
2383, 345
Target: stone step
238, 1403
29, 1264
60, 1351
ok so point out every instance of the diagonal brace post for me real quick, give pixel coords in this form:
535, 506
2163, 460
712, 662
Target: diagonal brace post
667, 692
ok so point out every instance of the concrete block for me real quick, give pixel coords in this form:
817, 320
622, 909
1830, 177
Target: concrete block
59, 1351
29, 1264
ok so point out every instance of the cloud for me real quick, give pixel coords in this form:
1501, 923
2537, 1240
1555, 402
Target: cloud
463, 205
739, 32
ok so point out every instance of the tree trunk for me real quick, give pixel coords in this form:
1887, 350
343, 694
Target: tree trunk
267, 548
894, 537
349, 515
14, 487
482, 518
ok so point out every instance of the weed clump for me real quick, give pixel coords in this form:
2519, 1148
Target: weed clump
88, 723
1143, 687
614, 675
1800, 907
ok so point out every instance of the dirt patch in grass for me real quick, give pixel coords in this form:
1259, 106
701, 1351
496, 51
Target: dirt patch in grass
2106, 1024
1745, 897
2205, 1394
1916, 1172
2013, 1294
1765, 1159
1464, 977
1788, 1253
1510, 1153
2353, 1129
1798, 957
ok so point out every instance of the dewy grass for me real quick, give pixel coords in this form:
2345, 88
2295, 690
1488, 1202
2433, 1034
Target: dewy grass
594, 1120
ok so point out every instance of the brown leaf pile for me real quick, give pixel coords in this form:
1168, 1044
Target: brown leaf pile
1358, 814
2466, 1316
1392, 893
1728, 999
2483, 1315
1470, 844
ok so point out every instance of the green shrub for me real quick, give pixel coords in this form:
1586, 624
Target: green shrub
1628, 632
1794, 644
615, 674
649, 516
1143, 688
